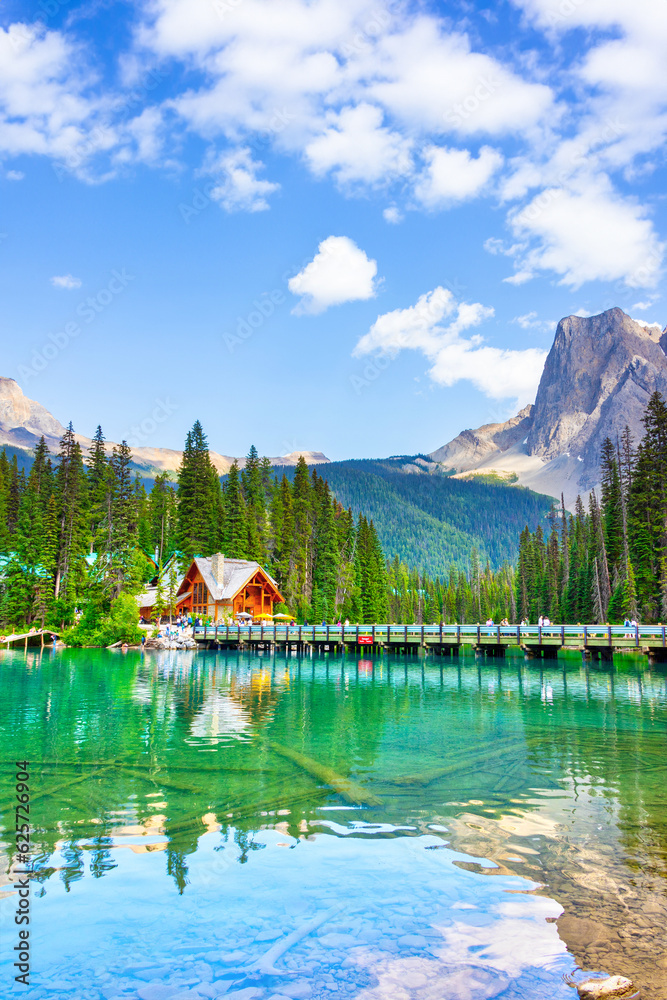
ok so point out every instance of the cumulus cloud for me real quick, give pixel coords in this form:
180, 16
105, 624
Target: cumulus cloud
651, 326
587, 234
66, 281
531, 321
453, 174
339, 272
14, 175
372, 96
434, 326
392, 215
45, 105
238, 187
356, 147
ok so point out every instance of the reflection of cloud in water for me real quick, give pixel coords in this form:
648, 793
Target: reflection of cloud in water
220, 716
518, 940
428, 979
476, 957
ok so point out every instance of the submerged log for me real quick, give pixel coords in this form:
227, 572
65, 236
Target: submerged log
463, 764
346, 787
68, 784
266, 965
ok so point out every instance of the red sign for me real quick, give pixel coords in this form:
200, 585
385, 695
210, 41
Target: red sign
365, 640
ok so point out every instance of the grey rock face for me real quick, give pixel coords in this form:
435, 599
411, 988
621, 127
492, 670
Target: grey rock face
598, 377
470, 447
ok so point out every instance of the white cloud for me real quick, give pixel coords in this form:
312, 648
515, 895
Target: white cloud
67, 281
453, 174
651, 326
339, 272
645, 304
392, 215
353, 88
588, 234
44, 107
434, 326
14, 175
530, 321
356, 147
239, 189
429, 77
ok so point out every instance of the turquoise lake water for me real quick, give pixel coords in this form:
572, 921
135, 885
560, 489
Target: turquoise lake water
261, 827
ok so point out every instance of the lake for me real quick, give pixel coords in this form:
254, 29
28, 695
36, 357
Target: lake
265, 826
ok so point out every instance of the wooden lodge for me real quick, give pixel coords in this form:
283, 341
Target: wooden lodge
218, 588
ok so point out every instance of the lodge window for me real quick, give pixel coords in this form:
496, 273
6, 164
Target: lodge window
200, 599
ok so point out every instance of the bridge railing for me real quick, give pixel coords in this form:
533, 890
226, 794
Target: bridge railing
651, 635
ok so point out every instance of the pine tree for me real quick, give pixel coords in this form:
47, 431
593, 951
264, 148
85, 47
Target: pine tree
302, 514
198, 499
236, 521
124, 522
71, 495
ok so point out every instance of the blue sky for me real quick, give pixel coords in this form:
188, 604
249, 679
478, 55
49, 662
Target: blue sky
338, 225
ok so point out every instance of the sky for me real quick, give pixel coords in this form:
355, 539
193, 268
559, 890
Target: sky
348, 226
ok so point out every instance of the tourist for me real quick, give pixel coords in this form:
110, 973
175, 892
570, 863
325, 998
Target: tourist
347, 622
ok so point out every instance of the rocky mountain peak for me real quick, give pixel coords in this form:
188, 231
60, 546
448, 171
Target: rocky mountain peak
22, 420
597, 379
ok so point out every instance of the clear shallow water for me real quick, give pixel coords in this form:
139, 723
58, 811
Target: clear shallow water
492, 825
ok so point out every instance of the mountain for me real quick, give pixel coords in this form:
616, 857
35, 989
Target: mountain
429, 521
433, 521
23, 422
598, 377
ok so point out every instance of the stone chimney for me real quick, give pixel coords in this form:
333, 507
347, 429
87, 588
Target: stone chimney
218, 567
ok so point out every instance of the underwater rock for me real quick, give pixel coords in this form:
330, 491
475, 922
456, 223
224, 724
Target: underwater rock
606, 989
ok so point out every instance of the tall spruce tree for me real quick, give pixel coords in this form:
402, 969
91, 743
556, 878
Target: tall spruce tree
198, 499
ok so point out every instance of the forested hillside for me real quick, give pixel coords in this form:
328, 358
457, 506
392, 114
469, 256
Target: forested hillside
432, 522
608, 561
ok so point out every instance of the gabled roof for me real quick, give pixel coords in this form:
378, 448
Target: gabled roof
237, 573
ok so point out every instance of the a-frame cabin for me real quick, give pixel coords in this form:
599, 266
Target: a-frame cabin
219, 588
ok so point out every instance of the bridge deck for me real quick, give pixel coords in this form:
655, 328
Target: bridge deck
38, 638
606, 637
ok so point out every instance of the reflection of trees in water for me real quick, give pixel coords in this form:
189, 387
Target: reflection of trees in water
114, 738
177, 867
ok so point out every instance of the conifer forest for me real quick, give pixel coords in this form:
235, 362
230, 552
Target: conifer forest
81, 536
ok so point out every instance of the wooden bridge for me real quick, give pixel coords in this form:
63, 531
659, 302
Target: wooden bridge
41, 637
597, 641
